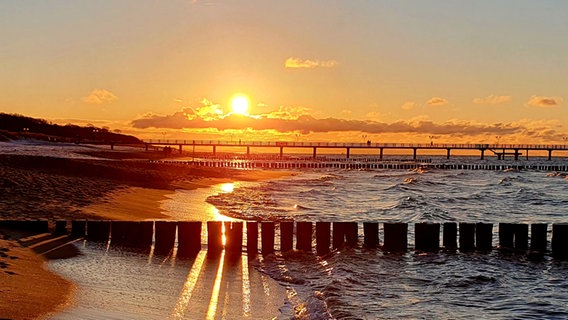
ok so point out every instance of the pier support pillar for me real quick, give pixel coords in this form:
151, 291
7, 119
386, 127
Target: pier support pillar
538, 237
450, 235
549, 154
323, 237
314, 153
189, 238
396, 236
214, 150
381, 154
234, 236
304, 236
180, 149
427, 237
267, 237
348, 151
371, 233
482, 153
560, 240
338, 233
448, 153
414, 151
484, 236
165, 236
286, 236
252, 238
506, 236
467, 236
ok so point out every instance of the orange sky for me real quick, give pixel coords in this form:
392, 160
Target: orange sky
386, 71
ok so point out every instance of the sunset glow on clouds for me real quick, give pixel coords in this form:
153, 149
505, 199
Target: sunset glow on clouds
544, 102
99, 96
296, 63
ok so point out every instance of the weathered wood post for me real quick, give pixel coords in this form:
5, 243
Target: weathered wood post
252, 238
467, 236
267, 237
120, 233
323, 237
427, 236
450, 236
234, 236
396, 236
338, 234
286, 236
304, 236
98, 230
78, 228
189, 238
165, 236
560, 240
214, 237
538, 237
506, 236
484, 236
60, 227
351, 234
371, 234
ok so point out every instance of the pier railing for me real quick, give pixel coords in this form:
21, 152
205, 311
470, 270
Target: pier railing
323, 237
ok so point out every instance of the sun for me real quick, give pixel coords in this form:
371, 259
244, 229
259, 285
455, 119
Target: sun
240, 104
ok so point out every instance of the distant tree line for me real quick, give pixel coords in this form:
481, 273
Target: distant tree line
19, 126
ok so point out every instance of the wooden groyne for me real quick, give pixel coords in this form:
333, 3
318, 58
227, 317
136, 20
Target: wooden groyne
266, 237
364, 165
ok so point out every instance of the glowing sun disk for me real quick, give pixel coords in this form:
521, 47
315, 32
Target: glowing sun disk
240, 105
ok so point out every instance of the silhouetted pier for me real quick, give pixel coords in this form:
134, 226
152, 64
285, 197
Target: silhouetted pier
499, 150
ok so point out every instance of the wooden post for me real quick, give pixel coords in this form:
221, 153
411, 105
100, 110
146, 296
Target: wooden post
450, 235
371, 232
351, 234
484, 236
396, 236
189, 238
560, 240
234, 236
252, 238
98, 230
267, 237
506, 236
338, 233
78, 228
538, 237
60, 227
427, 236
286, 236
165, 236
304, 236
467, 236
214, 237
323, 237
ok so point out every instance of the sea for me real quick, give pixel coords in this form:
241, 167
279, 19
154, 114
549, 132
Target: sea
361, 283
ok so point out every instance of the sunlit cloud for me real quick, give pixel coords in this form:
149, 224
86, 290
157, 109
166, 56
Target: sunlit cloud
437, 101
99, 96
492, 100
543, 102
409, 105
297, 63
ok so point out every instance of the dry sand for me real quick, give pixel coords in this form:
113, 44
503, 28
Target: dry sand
35, 187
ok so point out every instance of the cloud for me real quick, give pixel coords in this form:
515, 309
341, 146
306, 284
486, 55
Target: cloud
436, 101
492, 100
409, 105
297, 63
100, 96
543, 102
289, 120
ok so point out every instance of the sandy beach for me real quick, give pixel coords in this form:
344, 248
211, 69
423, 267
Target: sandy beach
96, 185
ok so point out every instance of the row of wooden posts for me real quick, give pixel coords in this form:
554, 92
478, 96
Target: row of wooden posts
327, 235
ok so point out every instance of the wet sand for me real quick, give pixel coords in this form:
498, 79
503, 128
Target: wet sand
38, 187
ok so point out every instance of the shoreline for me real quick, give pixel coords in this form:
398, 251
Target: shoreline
92, 189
